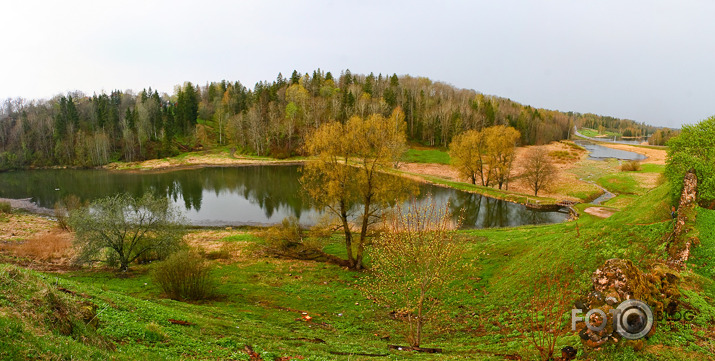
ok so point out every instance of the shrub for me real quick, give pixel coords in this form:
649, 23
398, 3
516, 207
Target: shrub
283, 237
123, 229
413, 264
693, 149
5, 207
63, 209
562, 155
289, 240
631, 166
185, 276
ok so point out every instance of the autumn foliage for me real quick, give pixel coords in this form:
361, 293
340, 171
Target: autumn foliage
348, 176
485, 156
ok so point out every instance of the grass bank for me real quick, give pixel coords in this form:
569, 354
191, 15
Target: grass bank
263, 301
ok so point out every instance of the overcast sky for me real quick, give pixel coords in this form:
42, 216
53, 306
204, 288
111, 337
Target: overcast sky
651, 61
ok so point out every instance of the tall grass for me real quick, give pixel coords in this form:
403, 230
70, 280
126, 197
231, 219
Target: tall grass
5, 207
47, 247
631, 166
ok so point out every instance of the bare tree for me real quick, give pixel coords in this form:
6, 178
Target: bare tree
540, 171
413, 264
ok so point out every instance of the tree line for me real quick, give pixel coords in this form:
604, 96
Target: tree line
273, 118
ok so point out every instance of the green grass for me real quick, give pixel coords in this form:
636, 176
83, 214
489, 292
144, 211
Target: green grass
426, 156
652, 168
702, 260
585, 195
594, 133
620, 183
262, 300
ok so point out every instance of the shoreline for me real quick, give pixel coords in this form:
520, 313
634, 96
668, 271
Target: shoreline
198, 161
27, 205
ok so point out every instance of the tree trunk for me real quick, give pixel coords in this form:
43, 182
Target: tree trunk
348, 234
363, 234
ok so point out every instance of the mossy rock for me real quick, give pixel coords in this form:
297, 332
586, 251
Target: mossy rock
618, 280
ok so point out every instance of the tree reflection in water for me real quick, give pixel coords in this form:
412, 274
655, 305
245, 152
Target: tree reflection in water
241, 195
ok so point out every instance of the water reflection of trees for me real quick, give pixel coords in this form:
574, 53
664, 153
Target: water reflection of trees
271, 188
483, 212
275, 189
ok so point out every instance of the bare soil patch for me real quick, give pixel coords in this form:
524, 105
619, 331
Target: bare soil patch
600, 211
438, 170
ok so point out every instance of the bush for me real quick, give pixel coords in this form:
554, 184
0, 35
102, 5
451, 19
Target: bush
289, 240
185, 276
631, 166
123, 229
5, 207
693, 149
63, 209
283, 237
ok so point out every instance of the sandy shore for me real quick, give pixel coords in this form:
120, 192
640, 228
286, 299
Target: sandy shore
197, 160
27, 205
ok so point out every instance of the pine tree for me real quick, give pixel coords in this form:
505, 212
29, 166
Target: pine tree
295, 77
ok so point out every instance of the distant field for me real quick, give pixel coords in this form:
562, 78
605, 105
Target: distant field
426, 156
594, 133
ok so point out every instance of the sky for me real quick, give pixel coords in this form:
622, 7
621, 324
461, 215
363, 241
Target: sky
650, 61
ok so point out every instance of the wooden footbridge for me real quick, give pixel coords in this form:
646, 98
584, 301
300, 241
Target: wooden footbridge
552, 205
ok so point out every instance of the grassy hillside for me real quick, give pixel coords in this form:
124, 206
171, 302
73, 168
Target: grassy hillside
263, 301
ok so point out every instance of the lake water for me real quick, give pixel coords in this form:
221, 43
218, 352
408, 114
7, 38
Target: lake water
600, 152
233, 196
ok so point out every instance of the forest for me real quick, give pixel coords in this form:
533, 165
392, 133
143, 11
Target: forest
272, 119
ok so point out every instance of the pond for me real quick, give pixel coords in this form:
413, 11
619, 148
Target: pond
599, 152
234, 196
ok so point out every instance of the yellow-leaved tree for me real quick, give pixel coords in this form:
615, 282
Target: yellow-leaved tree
348, 177
486, 155
466, 152
501, 150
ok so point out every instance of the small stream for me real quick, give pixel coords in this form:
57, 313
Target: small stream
599, 152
